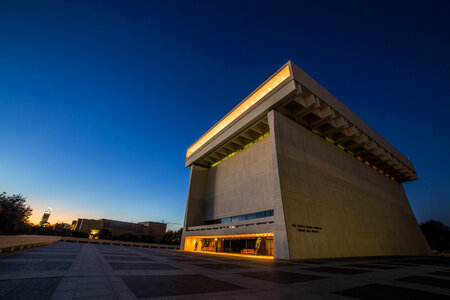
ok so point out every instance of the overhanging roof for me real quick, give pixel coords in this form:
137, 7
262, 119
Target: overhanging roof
295, 94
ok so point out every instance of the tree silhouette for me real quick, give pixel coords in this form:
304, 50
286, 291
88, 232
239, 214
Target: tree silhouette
172, 237
13, 212
437, 235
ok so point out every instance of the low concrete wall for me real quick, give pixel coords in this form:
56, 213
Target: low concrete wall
119, 243
9, 243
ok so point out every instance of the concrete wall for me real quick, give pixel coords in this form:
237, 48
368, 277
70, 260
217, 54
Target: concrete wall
360, 211
86, 225
120, 231
241, 184
122, 226
196, 202
281, 245
196, 199
10, 243
118, 228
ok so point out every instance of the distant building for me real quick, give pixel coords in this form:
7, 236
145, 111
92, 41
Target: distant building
61, 225
154, 229
117, 228
45, 217
74, 224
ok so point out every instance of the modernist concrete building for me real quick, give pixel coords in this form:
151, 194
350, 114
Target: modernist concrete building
292, 172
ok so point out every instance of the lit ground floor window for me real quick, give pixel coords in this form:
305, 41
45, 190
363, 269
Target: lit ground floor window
246, 244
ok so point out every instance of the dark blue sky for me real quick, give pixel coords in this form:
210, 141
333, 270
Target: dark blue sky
100, 99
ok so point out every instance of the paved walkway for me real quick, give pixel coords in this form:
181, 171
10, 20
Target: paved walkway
83, 271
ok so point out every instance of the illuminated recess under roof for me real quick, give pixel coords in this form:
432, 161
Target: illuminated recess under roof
243, 107
225, 236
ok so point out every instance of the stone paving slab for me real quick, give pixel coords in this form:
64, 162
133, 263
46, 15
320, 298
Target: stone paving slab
427, 280
380, 291
158, 286
42, 256
313, 262
88, 271
182, 259
394, 263
118, 253
440, 273
34, 288
214, 266
371, 266
281, 276
25, 266
338, 270
141, 266
127, 258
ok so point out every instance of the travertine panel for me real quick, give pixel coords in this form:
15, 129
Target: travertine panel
281, 246
196, 203
241, 184
360, 212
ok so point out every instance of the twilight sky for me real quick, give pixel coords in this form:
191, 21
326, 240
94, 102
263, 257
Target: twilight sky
99, 100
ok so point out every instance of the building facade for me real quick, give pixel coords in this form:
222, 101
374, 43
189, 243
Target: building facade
292, 172
118, 228
45, 217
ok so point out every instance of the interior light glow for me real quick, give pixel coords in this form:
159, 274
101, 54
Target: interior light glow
244, 106
240, 149
269, 234
230, 254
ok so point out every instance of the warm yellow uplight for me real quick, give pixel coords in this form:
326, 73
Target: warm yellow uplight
247, 235
94, 233
244, 106
189, 244
231, 254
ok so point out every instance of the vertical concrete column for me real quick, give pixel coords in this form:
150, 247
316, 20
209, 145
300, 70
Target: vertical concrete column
281, 243
196, 200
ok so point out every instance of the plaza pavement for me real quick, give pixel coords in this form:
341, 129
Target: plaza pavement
88, 271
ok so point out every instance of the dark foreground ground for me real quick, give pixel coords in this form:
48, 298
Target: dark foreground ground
83, 271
